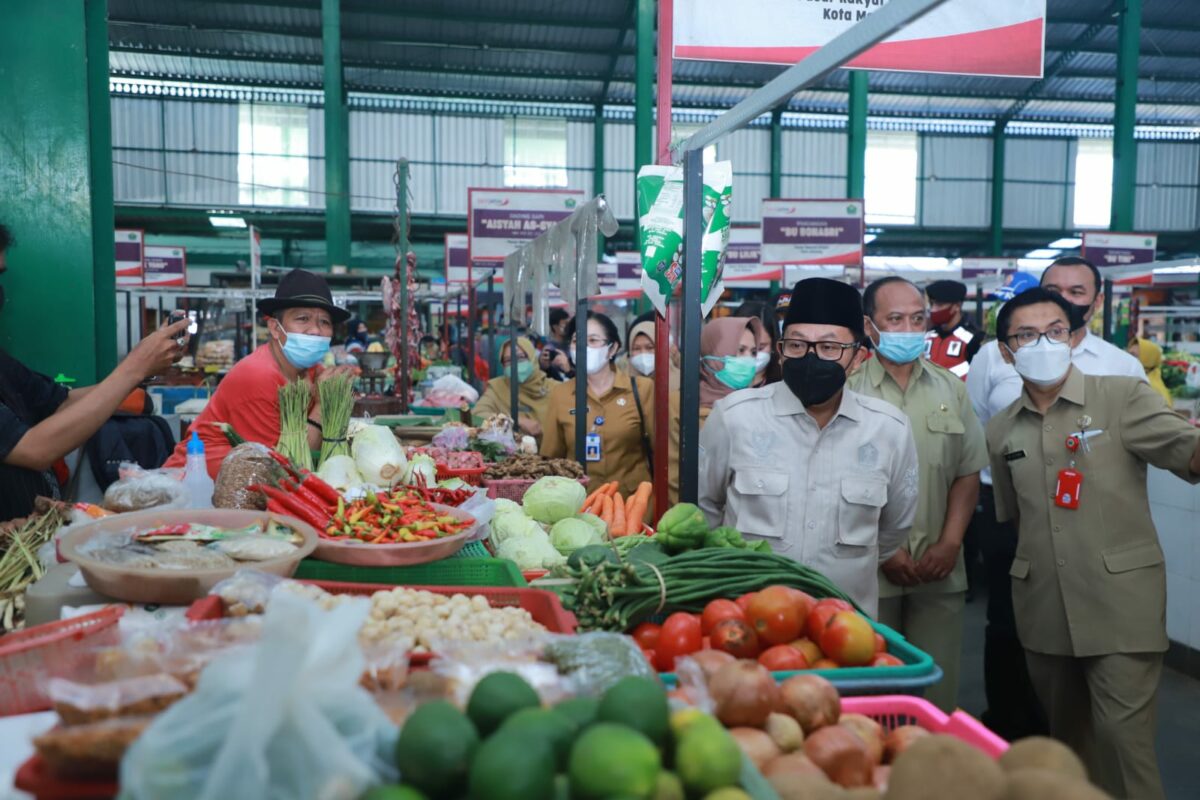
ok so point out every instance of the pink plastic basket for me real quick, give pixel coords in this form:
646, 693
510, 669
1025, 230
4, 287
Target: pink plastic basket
30, 656
514, 489
892, 711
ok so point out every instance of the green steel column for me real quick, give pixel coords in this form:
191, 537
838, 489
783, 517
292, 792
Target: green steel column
1125, 117
777, 152
856, 128
598, 151
999, 145
643, 97
104, 268
46, 168
337, 139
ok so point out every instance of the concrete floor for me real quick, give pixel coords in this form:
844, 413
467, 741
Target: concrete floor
1178, 709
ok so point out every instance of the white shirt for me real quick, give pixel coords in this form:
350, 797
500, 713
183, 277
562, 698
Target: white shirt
994, 385
840, 499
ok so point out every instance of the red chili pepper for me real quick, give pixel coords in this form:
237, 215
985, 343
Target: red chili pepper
285, 462
310, 499
297, 509
276, 508
320, 488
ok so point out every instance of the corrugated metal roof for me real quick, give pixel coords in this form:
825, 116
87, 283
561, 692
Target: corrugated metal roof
550, 51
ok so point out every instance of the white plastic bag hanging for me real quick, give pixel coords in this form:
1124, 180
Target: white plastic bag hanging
284, 719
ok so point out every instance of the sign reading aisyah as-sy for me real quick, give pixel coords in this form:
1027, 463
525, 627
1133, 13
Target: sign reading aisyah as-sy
967, 37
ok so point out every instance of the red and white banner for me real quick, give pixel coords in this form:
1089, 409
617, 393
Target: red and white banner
743, 259
1119, 249
165, 266
812, 232
966, 37
130, 257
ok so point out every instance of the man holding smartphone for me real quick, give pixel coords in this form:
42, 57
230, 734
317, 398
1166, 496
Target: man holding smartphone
41, 421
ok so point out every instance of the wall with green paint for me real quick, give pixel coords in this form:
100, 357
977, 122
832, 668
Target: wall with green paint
49, 321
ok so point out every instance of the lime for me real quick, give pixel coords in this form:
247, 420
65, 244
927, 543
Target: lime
685, 718
551, 726
708, 758
510, 766
613, 761
581, 710
497, 697
669, 787
641, 704
435, 748
393, 793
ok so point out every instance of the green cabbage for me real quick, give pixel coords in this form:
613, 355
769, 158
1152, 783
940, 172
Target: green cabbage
531, 552
568, 535
421, 471
595, 522
554, 498
510, 525
340, 473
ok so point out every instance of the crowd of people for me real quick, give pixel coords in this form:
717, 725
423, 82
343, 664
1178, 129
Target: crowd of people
872, 436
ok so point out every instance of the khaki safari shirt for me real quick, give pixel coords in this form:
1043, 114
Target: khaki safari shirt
839, 499
1088, 581
950, 445
615, 418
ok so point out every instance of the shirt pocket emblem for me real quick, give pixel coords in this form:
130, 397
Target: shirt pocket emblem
868, 455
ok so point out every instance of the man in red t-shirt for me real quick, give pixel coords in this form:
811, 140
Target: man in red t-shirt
300, 320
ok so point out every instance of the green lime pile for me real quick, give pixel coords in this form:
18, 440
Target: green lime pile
506, 746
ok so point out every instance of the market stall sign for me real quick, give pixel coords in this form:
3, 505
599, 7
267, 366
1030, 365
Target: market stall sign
130, 257
629, 271
820, 236
973, 268
965, 37
1119, 249
743, 259
500, 221
165, 266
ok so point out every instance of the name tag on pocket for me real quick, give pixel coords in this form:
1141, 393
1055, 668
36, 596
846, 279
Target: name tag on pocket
591, 447
1015, 455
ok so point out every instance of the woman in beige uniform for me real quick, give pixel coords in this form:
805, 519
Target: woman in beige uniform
533, 394
620, 413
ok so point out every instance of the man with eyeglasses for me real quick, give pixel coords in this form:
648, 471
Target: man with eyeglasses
1088, 582
826, 475
923, 586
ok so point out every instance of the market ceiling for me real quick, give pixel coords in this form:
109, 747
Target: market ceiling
550, 51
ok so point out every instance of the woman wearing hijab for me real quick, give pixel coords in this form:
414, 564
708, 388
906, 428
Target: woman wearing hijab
641, 360
533, 395
1151, 356
767, 357
728, 358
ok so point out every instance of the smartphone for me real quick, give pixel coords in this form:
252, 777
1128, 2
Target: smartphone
178, 315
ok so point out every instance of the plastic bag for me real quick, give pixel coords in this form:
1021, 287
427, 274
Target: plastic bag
283, 720
247, 464
82, 703
452, 384
146, 489
246, 592
482, 508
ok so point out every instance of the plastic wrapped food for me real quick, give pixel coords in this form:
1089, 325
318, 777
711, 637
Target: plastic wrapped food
247, 465
142, 490
597, 660
81, 703
89, 751
253, 548
246, 592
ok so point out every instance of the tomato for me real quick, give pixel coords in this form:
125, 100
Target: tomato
646, 635
805, 603
736, 638
825, 663
783, 657
719, 610
743, 602
681, 635
886, 660
818, 618
849, 639
810, 649
651, 656
775, 615
880, 643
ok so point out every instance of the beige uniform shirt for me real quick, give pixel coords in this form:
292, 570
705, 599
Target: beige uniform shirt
1088, 581
950, 444
839, 499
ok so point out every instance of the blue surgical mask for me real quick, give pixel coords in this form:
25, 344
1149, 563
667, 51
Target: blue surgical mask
303, 350
738, 371
524, 370
900, 347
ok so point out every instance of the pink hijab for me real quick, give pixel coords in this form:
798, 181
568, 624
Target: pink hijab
721, 337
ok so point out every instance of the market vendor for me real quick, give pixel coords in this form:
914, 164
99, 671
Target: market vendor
533, 394
300, 319
620, 413
827, 476
41, 421
1089, 584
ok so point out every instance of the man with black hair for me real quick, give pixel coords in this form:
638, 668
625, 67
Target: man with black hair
1088, 581
41, 422
553, 358
1078, 282
826, 475
952, 340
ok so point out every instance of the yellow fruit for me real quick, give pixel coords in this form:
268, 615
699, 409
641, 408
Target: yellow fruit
707, 758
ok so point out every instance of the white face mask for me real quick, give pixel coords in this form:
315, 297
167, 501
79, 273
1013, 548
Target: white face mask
643, 363
1043, 363
761, 359
597, 359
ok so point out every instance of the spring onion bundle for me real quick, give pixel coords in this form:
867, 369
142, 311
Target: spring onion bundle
19, 565
337, 401
294, 400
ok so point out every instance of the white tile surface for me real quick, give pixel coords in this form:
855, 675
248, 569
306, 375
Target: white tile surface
1177, 545
1175, 506
1166, 489
1180, 597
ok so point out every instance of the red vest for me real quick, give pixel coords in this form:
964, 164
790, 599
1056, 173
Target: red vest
949, 351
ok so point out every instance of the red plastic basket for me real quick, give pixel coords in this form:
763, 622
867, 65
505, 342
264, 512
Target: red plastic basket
35, 777
28, 657
514, 489
471, 477
892, 711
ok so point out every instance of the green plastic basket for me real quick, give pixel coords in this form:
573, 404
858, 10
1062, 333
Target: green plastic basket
918, 673
466, 571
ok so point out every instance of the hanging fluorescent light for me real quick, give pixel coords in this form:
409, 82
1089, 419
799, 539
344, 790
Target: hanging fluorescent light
1066, 244
227, 222
1045, 252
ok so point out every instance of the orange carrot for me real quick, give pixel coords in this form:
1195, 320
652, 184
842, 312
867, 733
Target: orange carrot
618, 523
606, 512
591, 498
638, 503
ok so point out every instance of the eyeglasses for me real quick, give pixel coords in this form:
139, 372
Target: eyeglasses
1058, 334
594, 341
826, 351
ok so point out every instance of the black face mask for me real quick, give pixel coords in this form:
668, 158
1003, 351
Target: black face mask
812, 380
1077, 314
